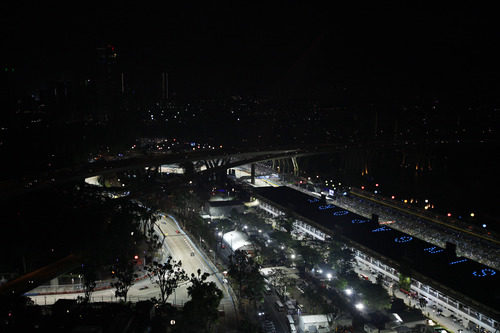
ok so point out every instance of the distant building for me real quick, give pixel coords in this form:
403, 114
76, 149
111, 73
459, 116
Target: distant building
8, 94
108, 83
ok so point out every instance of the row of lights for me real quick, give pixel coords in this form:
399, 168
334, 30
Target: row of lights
359, 306
427, 204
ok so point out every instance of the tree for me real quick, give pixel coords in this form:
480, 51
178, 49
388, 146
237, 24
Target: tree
245, 271
375, 295
123, 271
286, 224
404, 282
237, 268
254, 283
341, 257
204, 303
283, 238
311, 256
89, 280
167, 276
18, 313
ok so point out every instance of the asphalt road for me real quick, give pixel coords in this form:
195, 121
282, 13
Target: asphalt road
278, 317
179, 246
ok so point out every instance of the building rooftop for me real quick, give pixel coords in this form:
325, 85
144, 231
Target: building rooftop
313, 319
236, 239
462, 275
225, 203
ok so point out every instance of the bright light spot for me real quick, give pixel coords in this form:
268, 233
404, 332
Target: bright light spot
320, 271
329, 276
292, 256
471, 214
393, 197
376, 185
136, 257
362, 187
484, 225
449, 214
426, 201
220, 233
260, 230
348, 292
360, 306
398, 318
132, 233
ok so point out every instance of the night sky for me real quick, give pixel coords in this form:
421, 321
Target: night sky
381, 51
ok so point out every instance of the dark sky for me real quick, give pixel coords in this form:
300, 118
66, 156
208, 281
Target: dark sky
382, 49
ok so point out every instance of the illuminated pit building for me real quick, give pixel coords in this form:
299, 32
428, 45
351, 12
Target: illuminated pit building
465, 288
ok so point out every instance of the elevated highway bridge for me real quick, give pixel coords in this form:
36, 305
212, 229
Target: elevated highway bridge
214, 159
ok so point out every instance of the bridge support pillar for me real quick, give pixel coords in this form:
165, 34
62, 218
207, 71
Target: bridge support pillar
252, 173
295, 166
54, 281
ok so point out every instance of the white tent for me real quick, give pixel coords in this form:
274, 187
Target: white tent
236, 240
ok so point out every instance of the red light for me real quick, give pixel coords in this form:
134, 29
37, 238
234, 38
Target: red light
376, 185
136, 257
393, 197
362, 187
449, 214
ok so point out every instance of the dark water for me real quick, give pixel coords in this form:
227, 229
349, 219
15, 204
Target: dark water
457, 179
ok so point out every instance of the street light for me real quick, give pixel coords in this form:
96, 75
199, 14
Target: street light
348, 292
292, 256
360, 306
329, 276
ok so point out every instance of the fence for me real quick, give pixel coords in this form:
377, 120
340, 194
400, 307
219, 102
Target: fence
51, 299
73, 288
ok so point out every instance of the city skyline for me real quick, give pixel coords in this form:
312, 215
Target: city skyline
379, 52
